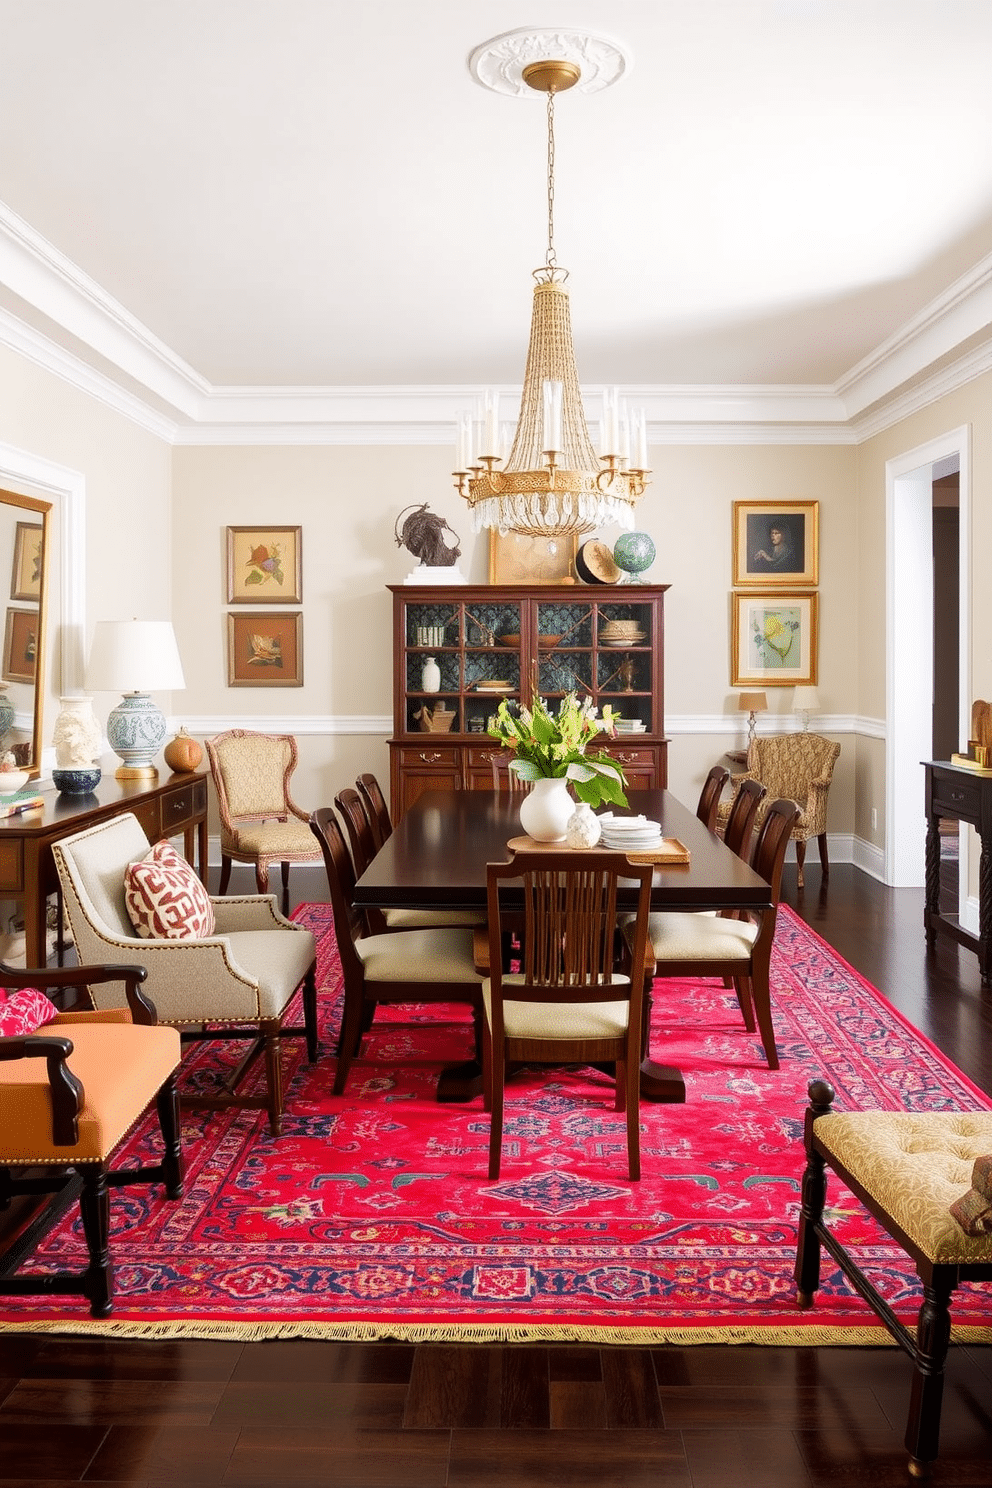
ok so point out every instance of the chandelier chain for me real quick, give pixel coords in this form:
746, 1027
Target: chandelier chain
551, 260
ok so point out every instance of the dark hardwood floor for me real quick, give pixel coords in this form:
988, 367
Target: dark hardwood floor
303, 1414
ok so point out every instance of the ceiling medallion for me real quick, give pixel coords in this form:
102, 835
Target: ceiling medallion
499, 63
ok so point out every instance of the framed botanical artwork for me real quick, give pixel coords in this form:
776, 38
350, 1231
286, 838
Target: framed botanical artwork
774, 639
776, 543
25, 580
264, 565
517, 559
265, 649
20, 645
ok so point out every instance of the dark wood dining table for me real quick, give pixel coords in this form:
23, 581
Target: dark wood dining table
437, 853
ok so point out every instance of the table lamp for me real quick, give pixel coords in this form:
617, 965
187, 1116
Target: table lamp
806, 700
751, 703
135, 657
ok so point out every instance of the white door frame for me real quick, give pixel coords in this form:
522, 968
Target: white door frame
909, 647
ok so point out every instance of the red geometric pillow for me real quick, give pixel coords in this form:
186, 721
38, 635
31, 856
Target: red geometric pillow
165, 899
24, 1011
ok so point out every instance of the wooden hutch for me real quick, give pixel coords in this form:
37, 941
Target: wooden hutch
494, 641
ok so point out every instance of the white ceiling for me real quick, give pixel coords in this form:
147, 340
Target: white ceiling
316, 193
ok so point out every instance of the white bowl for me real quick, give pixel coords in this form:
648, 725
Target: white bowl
13, 780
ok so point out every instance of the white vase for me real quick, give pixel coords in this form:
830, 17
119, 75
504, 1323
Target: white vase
583, 828
545, 810
430, 677
76, 734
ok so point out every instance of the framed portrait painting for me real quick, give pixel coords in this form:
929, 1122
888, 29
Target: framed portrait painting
776, 544
518, 559
20, 645
265, 649
25, 580
774, 640
264, 565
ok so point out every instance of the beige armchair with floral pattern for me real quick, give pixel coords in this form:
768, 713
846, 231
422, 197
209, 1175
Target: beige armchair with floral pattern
798, 767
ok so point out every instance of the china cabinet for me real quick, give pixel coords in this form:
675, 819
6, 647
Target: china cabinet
490, 642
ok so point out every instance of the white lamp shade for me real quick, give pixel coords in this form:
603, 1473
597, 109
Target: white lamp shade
806, 700
134, 656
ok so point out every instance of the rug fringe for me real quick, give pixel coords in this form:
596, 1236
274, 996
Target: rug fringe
809, 1335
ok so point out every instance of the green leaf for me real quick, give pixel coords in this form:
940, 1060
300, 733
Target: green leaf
254, 577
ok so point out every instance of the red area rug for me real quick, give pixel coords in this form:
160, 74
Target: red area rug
372, 1216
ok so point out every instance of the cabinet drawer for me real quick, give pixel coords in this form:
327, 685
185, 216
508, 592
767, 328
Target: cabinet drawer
177, 808
431, 757
959, 798
149, 816
482, 759
11, 867
642, 758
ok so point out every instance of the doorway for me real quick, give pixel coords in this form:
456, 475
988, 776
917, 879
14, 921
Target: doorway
921, 644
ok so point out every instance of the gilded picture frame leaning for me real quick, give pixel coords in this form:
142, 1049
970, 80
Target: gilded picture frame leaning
774, 639
29, 559
264, 565
776, 544
265, 648
519, 559
20, 645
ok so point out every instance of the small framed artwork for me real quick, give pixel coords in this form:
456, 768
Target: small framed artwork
518, 559
20, 645
774, 640
776, 543
265, 649
25, 580
264, 565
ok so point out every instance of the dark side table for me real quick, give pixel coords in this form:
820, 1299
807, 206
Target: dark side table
962, 795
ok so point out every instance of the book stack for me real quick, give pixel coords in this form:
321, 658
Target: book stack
18, 801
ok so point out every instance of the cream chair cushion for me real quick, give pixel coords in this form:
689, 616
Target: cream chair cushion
558, 1020
425, 919
443, 955
678, 936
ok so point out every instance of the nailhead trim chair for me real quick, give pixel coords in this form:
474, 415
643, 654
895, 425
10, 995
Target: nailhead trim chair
798, 767
260, 822
906, 1168
238, 983
69, 1093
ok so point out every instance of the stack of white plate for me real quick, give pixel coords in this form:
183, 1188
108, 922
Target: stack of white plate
629, 726
630, 833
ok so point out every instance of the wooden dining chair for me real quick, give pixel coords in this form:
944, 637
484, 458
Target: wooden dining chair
709, 796
415, 966
567, 1004
375, 802
740, 822
505, 779
688, 944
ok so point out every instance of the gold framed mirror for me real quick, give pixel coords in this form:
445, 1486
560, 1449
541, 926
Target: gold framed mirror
24, 539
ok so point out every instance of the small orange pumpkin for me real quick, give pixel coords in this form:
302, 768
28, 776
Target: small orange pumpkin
183, 754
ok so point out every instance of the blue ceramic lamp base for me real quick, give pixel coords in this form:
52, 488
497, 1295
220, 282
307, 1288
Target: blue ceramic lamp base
136, 732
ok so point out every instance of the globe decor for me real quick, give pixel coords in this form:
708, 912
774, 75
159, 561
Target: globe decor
634, 552
551, 746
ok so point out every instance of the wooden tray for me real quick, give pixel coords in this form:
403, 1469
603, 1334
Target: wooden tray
671, 850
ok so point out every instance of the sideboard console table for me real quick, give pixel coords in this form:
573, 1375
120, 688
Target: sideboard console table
958, 794
175, 804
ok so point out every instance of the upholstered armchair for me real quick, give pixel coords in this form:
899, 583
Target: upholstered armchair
237, 982
798, 767
260, 822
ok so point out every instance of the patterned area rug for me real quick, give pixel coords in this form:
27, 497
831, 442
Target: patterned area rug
372, 1216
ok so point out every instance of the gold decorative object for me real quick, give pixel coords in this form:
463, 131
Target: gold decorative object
552, 482
979, 756
437, 720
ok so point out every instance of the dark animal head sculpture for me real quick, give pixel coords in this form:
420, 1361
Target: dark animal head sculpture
422, 534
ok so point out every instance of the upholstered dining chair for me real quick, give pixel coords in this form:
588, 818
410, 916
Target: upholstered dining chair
798, 767
260, 822
407, 966
70, 1091
372, 794
237, 982
568, 1004
709, 796
688, 944
354, 812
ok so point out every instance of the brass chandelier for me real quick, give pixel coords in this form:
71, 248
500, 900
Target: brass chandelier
552, 482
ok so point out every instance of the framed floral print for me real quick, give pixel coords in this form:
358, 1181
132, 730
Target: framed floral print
20, 645
518, 559
776, 543
265, 649
29, 554
264, 565
775, 639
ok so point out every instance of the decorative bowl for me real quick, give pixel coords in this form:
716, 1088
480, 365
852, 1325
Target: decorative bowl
76, 782
13, 780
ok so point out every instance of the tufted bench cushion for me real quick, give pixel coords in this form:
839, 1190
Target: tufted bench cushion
915, 1166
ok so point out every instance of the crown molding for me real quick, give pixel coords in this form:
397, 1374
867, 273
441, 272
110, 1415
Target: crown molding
184, 409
